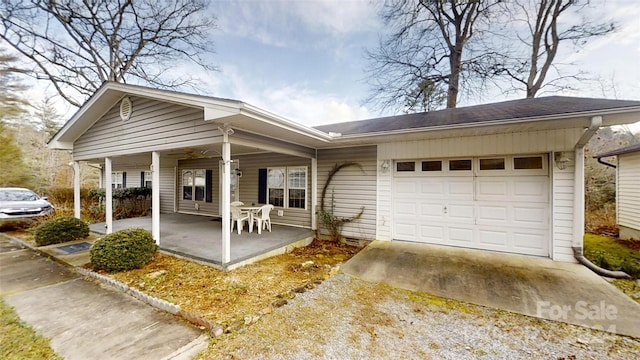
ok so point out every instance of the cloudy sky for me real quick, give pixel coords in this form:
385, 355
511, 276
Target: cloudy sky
304, 59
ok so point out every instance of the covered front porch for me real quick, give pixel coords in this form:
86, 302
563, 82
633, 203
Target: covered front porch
200, 238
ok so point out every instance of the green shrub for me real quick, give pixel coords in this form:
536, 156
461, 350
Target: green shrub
60, 230
123, 250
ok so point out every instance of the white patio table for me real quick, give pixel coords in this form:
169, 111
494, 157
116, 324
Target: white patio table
252, 210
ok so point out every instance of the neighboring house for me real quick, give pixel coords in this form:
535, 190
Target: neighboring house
506, 177
627, 189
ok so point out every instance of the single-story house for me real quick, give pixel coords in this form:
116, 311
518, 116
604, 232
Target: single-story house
627, 189
506, 177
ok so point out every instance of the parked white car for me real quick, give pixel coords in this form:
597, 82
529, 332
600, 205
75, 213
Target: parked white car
21, 203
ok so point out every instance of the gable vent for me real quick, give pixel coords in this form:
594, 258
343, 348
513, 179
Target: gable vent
125, 109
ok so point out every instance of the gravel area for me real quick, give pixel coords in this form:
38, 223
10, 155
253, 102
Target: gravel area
346, 318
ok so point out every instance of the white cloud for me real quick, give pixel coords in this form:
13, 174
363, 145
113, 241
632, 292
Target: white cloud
295, 101
283, 23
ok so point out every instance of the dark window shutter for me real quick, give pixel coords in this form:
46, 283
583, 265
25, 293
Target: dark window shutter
208, 186
262, 186
142, 179
124, 179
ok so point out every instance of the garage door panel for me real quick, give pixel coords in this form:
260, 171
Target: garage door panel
501, 212
433, 234
462, 236
407, 208
460, 213
432, 212
493, 238
530, 243
432, 188
491, 188
533, 190
406, 231
459, 188
497, 214
530, 216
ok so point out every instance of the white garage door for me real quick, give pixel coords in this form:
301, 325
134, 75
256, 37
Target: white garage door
499, 203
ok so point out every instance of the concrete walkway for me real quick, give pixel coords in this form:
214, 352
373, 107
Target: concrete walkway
85, 320
531, 286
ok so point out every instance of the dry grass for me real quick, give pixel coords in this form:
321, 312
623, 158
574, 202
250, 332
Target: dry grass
226, 297
18, 340
602, 220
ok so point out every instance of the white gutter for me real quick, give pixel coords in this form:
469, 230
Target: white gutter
578, 182
285, 123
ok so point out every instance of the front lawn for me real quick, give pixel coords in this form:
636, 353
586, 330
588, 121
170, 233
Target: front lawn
18, 340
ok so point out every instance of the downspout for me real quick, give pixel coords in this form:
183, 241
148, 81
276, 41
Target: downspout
578, 201
605, 163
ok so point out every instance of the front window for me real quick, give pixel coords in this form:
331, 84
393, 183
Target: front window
297, 181
193, 185
187, 185
148, 180
199, 184
287, 187
275, 187
117, 180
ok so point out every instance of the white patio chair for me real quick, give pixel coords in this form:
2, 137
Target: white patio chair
262, 218
237, 203
238, 218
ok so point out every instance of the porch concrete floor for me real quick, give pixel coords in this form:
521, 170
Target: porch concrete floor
200, 237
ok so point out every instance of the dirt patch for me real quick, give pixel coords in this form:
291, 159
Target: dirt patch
228, 297
631, 244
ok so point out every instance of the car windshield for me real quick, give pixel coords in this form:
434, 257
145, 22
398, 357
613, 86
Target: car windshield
17, 195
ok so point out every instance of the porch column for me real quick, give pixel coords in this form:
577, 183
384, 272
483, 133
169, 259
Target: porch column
155, 196
76, 189
108, 195
226, 189
314, 192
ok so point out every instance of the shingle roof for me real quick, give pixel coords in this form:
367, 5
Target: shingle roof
514, 109
624, 150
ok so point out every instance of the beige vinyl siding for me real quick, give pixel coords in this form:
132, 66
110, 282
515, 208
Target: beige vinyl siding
167, 189
353, 188
629, 190
510, 143
154, 125
562, 210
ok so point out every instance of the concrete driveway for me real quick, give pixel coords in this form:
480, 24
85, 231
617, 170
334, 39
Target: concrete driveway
85, 320
527, 285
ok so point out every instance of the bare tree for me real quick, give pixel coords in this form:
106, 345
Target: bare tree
77, 45
427, 96
548, 25
432, 42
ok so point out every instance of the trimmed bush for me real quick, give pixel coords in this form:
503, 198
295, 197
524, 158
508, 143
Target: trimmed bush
123, 250
60, 230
